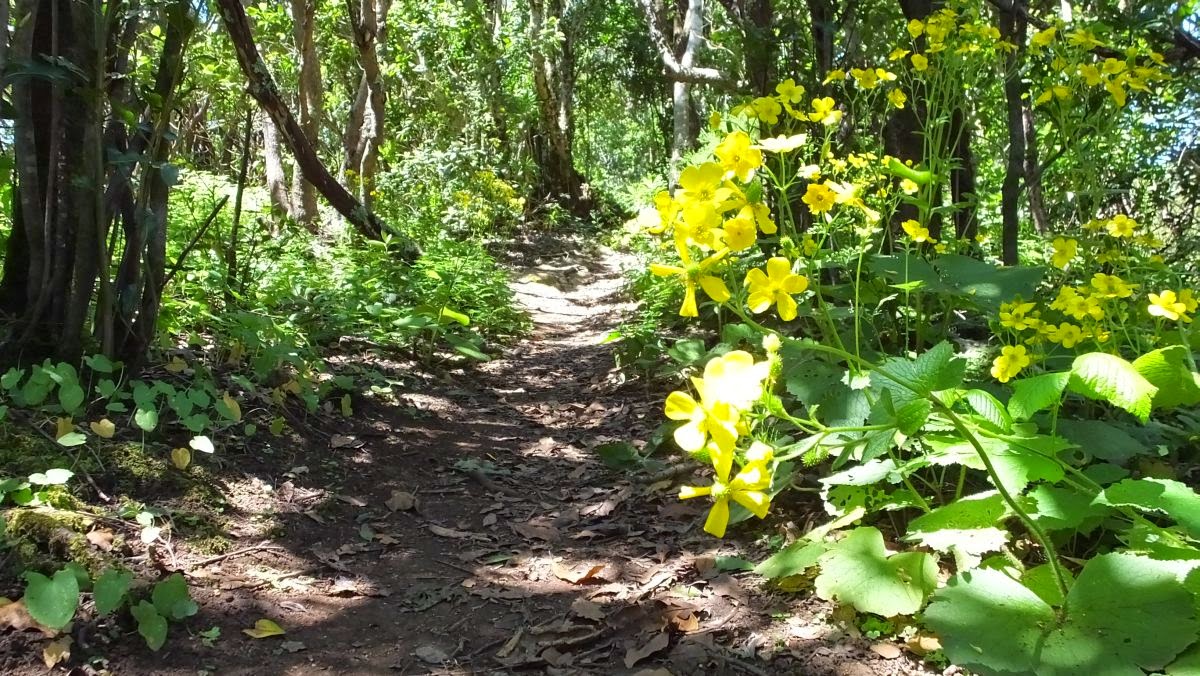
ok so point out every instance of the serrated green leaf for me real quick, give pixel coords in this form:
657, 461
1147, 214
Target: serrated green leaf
110, 589
933, 370
1040, 580
1124, 614
1107, 377
1157, 495
172, 600
990, 409
151, 625
1099, 439
858, 571
792, 560
52, 601
1034, 394
1168, 369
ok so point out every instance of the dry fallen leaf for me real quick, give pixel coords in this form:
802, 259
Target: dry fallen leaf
888, 651
264, 629
104, 428
442, 531
56, 651
235, 409
534, 531
63, 427
101, 538
401, 501
923, 645
589, 610
343, 441
15, 616
580, 574
636, 654
684, 620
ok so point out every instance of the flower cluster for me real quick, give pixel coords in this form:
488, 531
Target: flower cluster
713, 423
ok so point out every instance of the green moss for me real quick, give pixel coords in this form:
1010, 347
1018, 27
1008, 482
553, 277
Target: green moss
47, 538
22, 453
136, 469
216, 544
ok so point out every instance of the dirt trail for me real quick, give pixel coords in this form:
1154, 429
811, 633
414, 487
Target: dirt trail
522, 554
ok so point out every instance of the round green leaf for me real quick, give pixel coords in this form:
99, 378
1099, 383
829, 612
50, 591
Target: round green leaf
52, 601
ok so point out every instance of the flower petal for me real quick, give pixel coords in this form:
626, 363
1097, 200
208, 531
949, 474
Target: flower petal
778, 268
687, 492
680, 406
691, 437
757, 502
787, 307
715, 288
718, 519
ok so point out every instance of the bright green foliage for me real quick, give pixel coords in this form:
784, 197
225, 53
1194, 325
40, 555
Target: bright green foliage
1124, 613
859, 571
151, 625
970, 526
1036, 393
52, 600
794, 559
110, 590
1167, 369
1107, 377
1157, 495
172, 599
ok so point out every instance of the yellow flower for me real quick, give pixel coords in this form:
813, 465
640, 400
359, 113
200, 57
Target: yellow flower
693, 275
1015, 315
810, 246
775, 286
909, 186
1078, 306
748, 489
1091, 75
740, 231
1121, 226
1168, 306
1064, 252
714, 120
824, 110
819, 198
761, 214
737, 155
1111, 286
917, 232
897, 54
736, 379
1043, 38
920, 62
1012, 359
835, 75
789, 91
1060, 92
1069, 335
897, 98
701, 183
865, 78
1188, 298
767, 109
705, 419
915, 28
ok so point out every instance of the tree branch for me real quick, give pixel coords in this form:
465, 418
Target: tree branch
675, 70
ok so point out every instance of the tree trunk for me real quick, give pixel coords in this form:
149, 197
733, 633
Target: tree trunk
1033, 172
262, 88
276, 176
488, 21
1013, 25
554, 86
364, 134
310, 105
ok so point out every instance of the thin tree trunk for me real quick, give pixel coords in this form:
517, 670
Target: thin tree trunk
1013, 26
310, 105
262, 88
1033, 172
364, 137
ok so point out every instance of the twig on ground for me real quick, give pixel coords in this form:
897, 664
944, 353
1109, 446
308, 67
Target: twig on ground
262, 546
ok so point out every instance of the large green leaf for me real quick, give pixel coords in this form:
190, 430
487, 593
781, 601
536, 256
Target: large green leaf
1123, 614
858, 571
52, 600
1107, 377
1031, 395
151, 625
1099, 439
967, 526
1168, 369
1058, 508
792, 560
172, 600
985, 284
1157, 495
110, 589
933, 370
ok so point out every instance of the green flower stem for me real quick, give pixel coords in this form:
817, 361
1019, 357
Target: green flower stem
1060, 578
